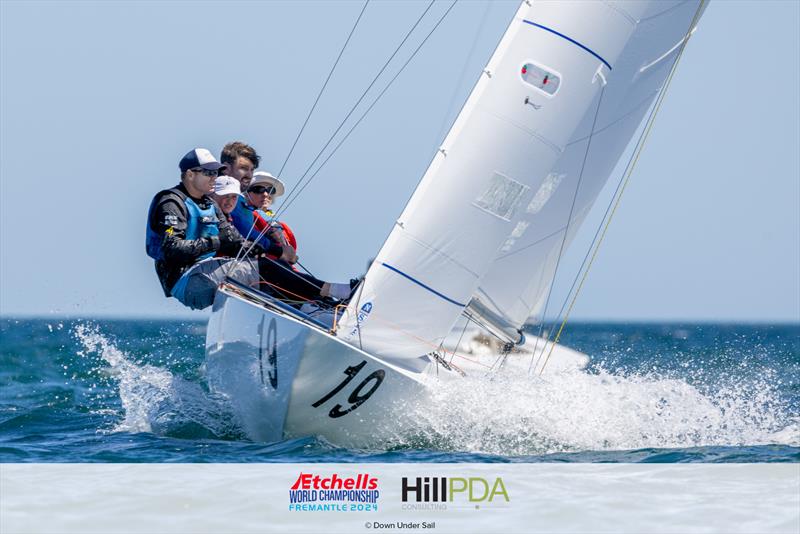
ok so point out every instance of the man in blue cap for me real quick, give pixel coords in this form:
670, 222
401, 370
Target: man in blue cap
186, 230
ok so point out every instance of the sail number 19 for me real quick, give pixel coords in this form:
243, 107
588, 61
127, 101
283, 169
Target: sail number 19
359, 395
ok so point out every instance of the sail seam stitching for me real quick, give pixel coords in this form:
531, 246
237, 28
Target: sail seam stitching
536, 135
407, 235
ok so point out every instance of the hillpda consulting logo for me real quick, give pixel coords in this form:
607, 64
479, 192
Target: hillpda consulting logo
334, 493
435, 493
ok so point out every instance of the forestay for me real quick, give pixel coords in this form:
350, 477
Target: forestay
487, 219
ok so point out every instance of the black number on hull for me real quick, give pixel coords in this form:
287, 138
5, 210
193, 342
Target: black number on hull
272, 357
351, 372
356, 398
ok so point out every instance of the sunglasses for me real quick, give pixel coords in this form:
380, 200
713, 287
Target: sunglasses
259, 189
207, 172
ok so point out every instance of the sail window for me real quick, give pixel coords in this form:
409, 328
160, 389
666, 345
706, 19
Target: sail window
546, 190
541, 78
501, 197
515, 234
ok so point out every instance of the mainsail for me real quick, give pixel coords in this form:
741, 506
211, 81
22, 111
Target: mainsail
484, 228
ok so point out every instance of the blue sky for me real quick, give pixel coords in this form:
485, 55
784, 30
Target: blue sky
99, 101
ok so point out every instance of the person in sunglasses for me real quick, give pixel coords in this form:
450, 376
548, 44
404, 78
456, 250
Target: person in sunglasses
254, 218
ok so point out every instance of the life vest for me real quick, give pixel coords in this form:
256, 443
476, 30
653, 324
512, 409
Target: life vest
199, 223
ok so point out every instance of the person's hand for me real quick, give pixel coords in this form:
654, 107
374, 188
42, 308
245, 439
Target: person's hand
289, 255
276, 235
256, 250
213, 242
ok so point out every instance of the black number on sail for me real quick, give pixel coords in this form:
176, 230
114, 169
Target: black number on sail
356, 398
272, 357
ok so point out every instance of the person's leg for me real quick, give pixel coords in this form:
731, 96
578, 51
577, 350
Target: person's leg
198, 286
288, 283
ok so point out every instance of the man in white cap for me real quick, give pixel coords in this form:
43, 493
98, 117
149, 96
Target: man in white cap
226, 194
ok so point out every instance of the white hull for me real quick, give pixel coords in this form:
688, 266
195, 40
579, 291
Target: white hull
286, 379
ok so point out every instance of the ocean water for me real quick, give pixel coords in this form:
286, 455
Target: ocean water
134, 391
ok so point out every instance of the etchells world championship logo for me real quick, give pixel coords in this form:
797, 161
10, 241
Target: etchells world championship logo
333, 493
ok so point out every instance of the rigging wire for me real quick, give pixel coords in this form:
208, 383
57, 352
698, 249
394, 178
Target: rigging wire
458, 343
353, 108
484, 326
591, 246
289, 202
322, 90
628, 172
464, 69
569, 219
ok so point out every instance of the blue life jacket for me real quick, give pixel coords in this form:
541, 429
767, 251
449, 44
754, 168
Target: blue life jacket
242, 218
199, 223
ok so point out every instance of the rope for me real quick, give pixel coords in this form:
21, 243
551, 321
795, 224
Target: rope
629, 172
289, 202
319, 95
299, 299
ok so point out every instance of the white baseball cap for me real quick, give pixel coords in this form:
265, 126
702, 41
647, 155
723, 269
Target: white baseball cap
265, 178
225, 185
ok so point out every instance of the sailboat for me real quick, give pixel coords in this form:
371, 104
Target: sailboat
567, 88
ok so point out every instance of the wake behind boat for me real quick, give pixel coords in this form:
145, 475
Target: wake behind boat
480, 240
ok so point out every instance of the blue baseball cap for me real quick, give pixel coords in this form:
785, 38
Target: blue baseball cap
202, 158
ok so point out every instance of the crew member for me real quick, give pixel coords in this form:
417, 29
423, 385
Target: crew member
240, 160
254, 218
226, 194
